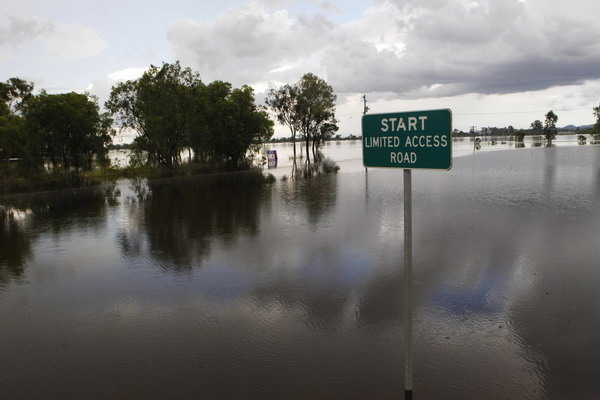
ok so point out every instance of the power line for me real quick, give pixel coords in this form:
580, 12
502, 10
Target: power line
522, 112
345, 115
350, 115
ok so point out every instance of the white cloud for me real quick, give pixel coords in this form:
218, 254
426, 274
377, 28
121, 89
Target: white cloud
73, 41
245, 43
61, 41
410, 48
101, 87
401, 53
502, 56
127, 74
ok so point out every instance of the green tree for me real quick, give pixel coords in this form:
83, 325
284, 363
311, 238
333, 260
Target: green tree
11, 136
308, 108
232, 124
248, 126
282, 102
158, 107
66, 129
537, 127
315, 107
550, 126
597, 116
172, 110
13, 96
325, 133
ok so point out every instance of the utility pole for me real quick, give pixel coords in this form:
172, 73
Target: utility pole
365, 110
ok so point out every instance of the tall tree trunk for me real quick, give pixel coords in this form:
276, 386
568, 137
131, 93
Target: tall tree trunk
294, 161
307, 150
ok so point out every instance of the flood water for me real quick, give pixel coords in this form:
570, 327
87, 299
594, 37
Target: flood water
218, 287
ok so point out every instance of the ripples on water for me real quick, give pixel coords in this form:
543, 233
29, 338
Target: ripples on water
218, 287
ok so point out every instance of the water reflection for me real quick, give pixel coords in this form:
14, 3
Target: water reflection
16, 246
294, 290
322, 306
596, 168
65, 210
519, 262
380, 305
26, 218
197, 209
316, 195
550, 167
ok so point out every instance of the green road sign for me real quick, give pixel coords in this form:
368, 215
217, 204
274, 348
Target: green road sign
409, 140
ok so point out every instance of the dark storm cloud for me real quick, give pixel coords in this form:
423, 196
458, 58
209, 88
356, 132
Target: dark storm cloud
410, 48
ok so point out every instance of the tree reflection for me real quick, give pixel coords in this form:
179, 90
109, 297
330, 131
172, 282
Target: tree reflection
178, 219
24, 218
15, 247
65, 210
549, 170
318, 195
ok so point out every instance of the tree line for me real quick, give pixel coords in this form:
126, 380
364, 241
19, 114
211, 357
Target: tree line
171, 111
174, 112
546, 129
55, 130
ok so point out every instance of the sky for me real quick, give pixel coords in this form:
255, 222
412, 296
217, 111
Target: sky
492, 62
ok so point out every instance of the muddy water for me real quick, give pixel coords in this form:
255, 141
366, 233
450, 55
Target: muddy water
218, 287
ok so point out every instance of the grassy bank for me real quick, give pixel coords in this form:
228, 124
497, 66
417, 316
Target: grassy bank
14, 180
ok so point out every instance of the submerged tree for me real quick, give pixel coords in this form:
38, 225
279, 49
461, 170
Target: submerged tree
283, 102
316, 110
232, 124
597, 116
157, 106
172, 110
537, 127
325, 133
307, 107
14, 94
550, 126
11, 136
67, 129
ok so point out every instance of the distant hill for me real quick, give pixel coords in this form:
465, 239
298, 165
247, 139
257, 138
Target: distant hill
573, 127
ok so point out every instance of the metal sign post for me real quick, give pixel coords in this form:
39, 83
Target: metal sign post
408, 283
408, 140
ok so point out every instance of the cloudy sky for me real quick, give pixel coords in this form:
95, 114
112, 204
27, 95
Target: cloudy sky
492, 62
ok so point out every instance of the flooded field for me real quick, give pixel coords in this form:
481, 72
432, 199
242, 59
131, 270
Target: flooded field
219, 287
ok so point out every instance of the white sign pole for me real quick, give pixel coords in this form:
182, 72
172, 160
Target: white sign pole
408, 140
408, 283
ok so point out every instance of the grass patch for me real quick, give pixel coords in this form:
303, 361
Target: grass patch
15, 180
